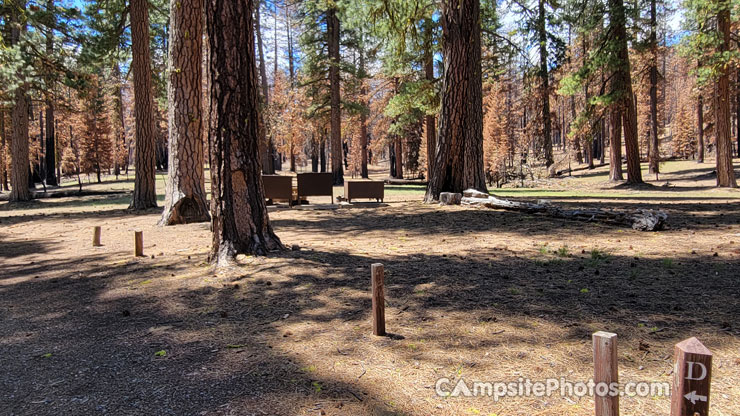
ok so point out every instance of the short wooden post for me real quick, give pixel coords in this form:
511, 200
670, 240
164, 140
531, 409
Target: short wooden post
378, 276
692, 373
96, 236
606, 372
138, 243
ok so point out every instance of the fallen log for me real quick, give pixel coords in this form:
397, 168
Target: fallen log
640, 219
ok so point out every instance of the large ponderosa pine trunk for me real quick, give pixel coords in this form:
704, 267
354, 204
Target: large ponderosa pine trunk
622, 90
185, 196
458, 163
19, 169
725, 170
145, 195
239, 219
332, 23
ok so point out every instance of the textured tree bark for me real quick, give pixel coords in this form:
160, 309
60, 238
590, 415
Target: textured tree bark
654, 150
615, 145
239, 219
50, 156
700, 129
145, 195
185, 196
725, 170
622, 88
544, 76
19, 169
458, 161
337, 169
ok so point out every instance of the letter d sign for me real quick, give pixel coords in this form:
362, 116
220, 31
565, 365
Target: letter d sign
690, 365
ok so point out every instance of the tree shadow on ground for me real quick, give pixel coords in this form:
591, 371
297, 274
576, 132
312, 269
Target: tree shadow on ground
89, 332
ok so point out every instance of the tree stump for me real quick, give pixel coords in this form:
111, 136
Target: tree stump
449, 198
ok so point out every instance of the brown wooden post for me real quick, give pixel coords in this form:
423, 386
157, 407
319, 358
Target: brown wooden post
378, 276
605, 371
96, 236
138, 243
692, 374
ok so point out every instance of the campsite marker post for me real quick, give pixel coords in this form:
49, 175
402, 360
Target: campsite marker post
138, 243
606, 372
377, 278
96, 236
692, 374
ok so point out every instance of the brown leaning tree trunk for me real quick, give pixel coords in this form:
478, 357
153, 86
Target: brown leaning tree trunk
622, 88
458, 163
185, 196
50, 151
725, 170
19, 161
239, 219
145, 195
337, 168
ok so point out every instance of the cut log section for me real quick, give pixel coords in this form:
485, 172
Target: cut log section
640, 219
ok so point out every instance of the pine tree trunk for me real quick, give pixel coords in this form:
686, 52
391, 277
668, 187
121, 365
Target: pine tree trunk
50, 156
654, 153
458, 161
363, 138
268, 150
19, 161
145, 195
544, 76
398, 144
737, 111
725, 170
185, 196
322, 153
429, 76
622, 89
363, 118
615, 145
336, 111
700, 129
3, 151
240, 223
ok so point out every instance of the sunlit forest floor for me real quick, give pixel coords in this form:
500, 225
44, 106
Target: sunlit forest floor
485, 295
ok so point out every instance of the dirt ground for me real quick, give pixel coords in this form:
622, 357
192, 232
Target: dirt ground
483, 295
